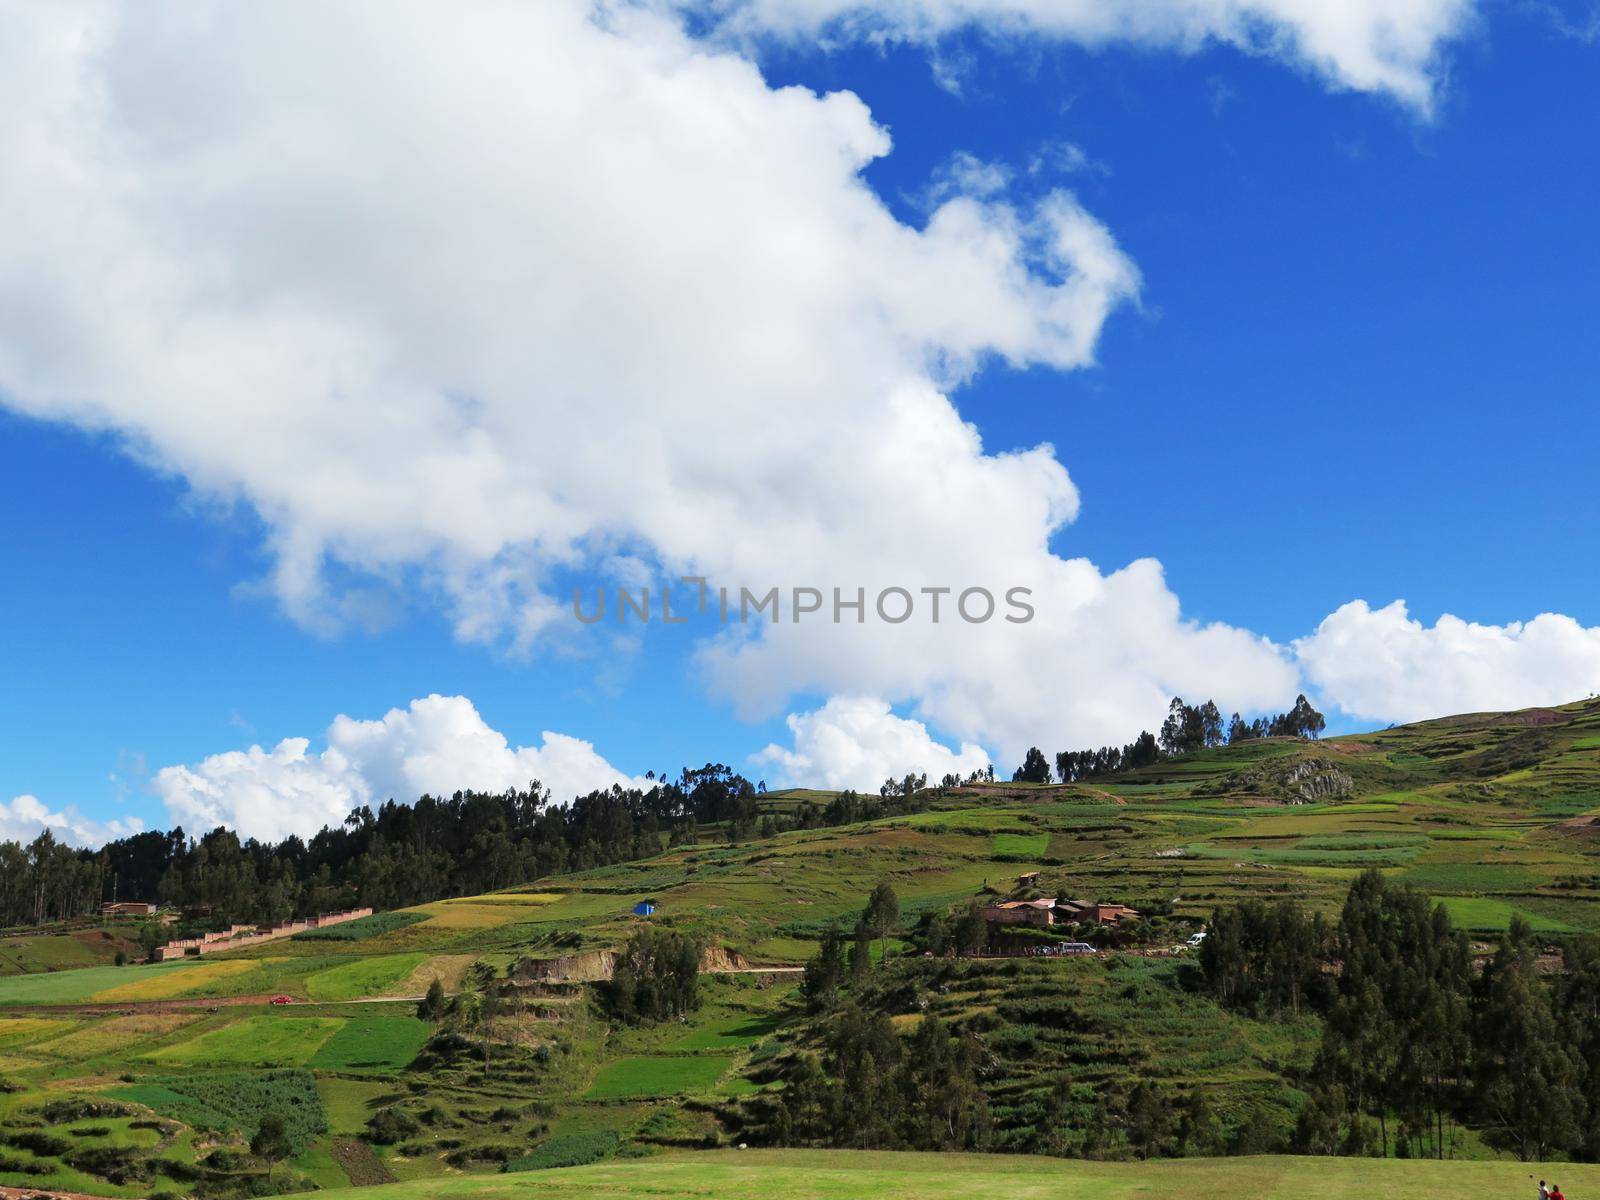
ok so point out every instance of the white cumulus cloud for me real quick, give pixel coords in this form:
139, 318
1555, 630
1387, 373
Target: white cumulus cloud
858, 742
437, 744
1384, 664
1384, 46
25, 817
459, 300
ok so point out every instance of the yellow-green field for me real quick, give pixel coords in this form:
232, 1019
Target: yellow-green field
847, 1175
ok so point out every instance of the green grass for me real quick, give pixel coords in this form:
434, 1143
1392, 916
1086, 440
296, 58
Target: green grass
265, 1041
851, 1175
363, 977
1021, 845
62, 952
77, 987
729, 1033
1480, 914
651, 1075
372, 1044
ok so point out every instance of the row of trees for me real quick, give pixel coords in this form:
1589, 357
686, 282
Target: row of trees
1196, 727
1416, 1041
398, 855
1188, 727
46, 881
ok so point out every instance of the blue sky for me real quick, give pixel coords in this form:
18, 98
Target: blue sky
1361, 366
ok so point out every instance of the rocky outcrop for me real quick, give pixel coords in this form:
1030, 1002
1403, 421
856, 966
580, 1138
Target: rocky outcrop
1288, 781
720, 958
590, 967
595, 965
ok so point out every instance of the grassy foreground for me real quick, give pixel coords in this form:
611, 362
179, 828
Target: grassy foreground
823, 1175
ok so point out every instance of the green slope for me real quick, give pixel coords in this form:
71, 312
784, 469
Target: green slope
851, 1175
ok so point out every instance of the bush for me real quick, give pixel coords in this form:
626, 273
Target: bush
390, 1125
42, 1144
181, 1171
571, 1150
115, 1164
496, 1153
60, 1112
23, 1166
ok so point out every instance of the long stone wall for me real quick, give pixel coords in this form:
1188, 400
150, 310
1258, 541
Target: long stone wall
238, 936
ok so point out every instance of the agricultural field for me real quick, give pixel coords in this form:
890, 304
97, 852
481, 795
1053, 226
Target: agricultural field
1494, 816
264, 1041
658, 1075
847, 1175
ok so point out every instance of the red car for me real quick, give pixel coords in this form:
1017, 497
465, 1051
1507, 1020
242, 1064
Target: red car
281, 1000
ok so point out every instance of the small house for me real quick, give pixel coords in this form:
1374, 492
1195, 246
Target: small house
1021, 912
127, 908
644, 908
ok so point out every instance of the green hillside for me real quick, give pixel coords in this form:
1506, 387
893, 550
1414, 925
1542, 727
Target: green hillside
159, 1073
847, 1175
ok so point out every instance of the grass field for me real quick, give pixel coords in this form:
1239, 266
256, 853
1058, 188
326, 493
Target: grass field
20, 1031
265, 1041
363, 977
65, 951
729, 1032
170, 984
658, 1075
81, 987
852, 1175
366, 1043
117, 1035
1487, 915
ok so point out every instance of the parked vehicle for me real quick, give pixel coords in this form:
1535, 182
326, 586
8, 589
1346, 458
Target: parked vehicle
281, 1000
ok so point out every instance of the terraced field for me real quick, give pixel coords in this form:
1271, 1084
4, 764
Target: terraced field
1493, 815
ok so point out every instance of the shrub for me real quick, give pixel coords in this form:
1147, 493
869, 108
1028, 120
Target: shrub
42, 1144
60, 1112
496, 1153
115, 1164
23, 1166
390, 1125
570, 1150
181, 1171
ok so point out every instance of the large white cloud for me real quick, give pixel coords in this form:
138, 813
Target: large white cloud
25, 817
437, 745
857, 742
1386, 665
1388, 46
456, 300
